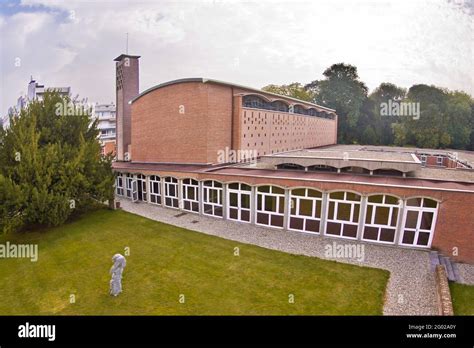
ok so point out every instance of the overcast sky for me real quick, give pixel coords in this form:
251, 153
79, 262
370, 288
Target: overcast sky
73, 43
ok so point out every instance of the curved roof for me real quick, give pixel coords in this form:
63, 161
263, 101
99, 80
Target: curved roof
205, 80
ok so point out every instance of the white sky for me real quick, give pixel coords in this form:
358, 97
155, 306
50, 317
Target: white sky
254, 43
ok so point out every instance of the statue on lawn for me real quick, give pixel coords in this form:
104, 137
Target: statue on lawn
116, 272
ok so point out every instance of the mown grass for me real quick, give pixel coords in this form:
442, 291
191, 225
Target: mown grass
166, 262
463, 298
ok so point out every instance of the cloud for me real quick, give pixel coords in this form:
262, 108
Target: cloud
73, 43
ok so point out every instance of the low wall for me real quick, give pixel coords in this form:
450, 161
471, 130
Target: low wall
445, 304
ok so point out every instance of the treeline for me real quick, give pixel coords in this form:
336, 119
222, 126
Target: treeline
422, 116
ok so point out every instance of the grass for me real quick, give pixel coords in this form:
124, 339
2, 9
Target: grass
166, 261
463, 298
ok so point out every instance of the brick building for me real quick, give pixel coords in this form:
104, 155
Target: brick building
232, 152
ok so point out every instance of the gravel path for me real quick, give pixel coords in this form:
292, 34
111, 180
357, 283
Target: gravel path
466, 272
411, 287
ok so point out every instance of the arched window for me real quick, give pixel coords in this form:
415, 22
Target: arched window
292, 166
298, 109
381, 218
279, 106
191, 195
212, 198
305, 210
255, 102
171, 192
141, 187
270, 206
343, 214
238, 198
419, 222
128, 185
155, 189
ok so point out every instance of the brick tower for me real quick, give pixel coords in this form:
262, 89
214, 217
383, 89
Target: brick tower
127, 87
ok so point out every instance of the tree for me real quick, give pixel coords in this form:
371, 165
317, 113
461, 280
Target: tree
293, 90
343, 91
445, 119
52, 161
459, 109
383, 124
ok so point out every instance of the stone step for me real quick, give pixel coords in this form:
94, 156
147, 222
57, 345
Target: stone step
457, 275
449, 267
434, 259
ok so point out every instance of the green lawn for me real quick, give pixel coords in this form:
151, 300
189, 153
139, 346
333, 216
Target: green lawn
167, 261
463, 298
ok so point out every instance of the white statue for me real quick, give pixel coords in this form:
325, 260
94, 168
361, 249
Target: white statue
116, 272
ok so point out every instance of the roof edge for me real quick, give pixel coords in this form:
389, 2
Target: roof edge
206, 80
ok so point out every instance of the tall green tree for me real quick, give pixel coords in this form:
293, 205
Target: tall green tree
383, 124
445, 119
343, 91
50, 159
293, 90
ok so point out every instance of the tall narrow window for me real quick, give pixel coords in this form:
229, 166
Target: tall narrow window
128, 183
238, 201
419, 222
171, 192
191, 195
212, 198
155, 189
119, 184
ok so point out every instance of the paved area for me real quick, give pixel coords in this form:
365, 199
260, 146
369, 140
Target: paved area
411, 287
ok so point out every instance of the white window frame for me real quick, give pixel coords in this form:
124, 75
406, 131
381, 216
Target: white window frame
423, 160
207, 191
171, 182
128, 185
420, 209
184, 194
334, 219
142, 179
155, 195
119, 190
439, 160
277, 196
372, 223
295, 201
239, 192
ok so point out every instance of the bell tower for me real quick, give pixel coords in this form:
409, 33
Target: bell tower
126, 88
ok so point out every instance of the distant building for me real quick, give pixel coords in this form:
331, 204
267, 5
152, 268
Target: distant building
105, 114
35, 92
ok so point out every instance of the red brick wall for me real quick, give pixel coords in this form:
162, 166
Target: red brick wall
161, 134
271, 132
213, 121
109, 148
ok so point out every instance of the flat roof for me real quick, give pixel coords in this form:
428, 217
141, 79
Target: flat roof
341, 153
206, 80
119, 58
